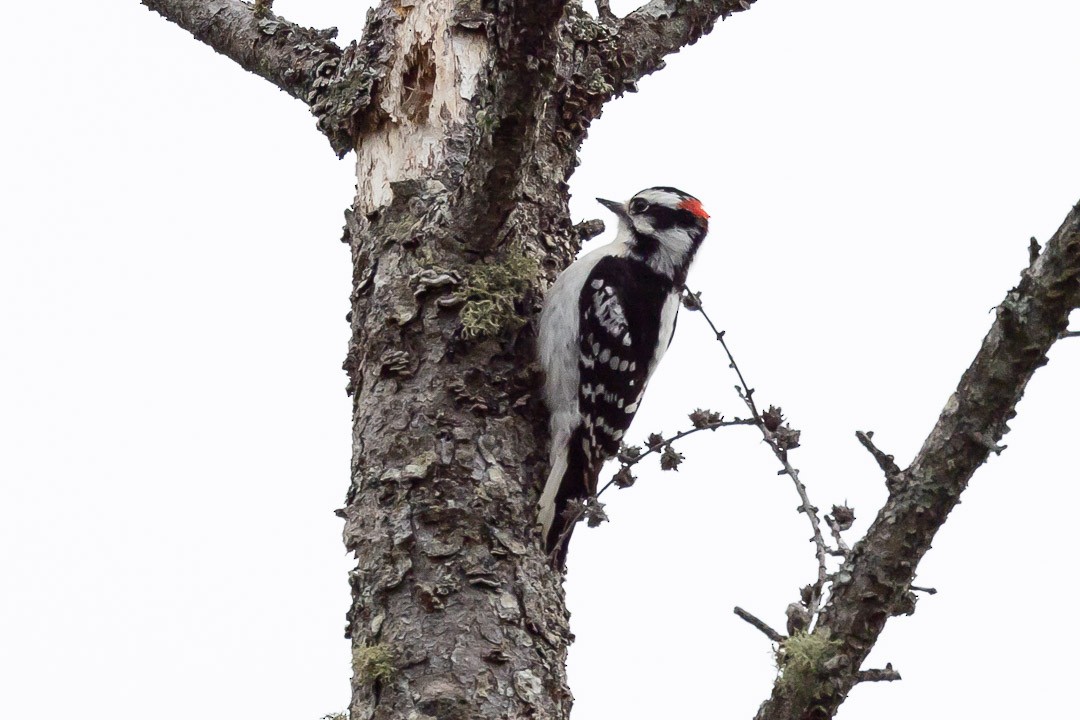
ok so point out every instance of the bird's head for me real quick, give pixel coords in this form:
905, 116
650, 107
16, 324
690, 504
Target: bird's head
663, 226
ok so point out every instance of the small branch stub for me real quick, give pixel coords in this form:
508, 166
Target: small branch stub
878, 675
588, 229
886, 462
760, 625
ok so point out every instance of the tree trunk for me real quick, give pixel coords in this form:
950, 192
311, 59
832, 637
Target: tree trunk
462, 197
461, 215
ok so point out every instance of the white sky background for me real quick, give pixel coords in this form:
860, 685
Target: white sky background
174, 431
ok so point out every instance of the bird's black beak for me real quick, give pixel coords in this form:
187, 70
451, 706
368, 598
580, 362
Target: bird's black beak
616, 207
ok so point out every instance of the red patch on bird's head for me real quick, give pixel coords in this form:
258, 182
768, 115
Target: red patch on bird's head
694, 206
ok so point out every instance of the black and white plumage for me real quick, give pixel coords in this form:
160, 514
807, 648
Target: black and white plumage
607, 321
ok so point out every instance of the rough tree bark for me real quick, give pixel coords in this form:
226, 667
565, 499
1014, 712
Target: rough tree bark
466, 117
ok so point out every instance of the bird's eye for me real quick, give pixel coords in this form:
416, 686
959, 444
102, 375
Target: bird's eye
637, 205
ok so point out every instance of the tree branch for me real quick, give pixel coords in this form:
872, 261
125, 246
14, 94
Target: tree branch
662, 27
875, 583
304, 62
760, 625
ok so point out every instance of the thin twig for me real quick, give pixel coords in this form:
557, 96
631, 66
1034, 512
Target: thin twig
659, 447
1068, 334
928, 591
698, 307
760, 625
564, 536
747, 395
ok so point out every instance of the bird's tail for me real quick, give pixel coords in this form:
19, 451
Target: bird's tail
572, 477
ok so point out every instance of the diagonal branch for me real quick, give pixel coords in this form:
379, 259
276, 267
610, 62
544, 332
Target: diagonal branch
875, 583
304, 62
662, 27
603, 56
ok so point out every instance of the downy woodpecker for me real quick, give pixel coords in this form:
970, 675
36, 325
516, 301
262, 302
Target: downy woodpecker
607, 321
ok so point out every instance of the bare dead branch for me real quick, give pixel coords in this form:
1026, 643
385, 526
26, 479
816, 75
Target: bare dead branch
927, 590
277, 50
874, 584
760, 625
659, 28
1068, 334
304, 62
886, 462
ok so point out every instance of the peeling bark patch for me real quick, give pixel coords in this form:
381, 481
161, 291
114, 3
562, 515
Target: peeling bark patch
435, 69
418, 83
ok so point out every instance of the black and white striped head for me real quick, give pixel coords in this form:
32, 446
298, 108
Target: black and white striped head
664, 227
